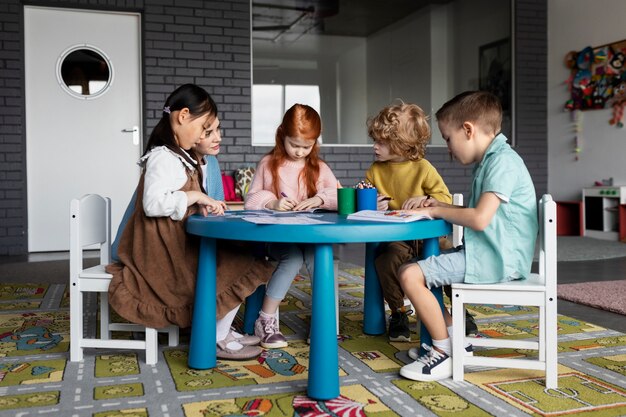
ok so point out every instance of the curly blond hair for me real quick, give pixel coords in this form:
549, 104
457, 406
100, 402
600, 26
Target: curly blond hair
403, 127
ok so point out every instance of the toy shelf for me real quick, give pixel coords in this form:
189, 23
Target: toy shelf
604, 215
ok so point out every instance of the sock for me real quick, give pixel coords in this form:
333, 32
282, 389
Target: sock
452, 340
445, 345
222, 326
265, 316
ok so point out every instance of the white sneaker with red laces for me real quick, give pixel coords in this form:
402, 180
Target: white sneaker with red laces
433, 366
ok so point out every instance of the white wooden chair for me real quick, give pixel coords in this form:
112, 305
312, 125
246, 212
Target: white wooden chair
539, 290
90, 227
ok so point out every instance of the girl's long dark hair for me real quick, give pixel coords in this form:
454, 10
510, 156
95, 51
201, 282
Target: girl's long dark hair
199, 103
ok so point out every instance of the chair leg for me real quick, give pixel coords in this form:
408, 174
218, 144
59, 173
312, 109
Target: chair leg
458, 336
105, 332
152, 343
551, 346
541, 332
76, 323
172, 332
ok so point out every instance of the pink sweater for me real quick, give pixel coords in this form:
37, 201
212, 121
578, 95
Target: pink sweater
260, 192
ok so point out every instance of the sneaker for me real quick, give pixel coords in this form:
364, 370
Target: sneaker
231, 349
470, 324
244, 339
414, 352
399, 326
267, 330
433, 366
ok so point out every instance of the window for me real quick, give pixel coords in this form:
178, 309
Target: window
84, 72
269, 103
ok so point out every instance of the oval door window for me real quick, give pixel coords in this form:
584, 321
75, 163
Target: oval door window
84, 72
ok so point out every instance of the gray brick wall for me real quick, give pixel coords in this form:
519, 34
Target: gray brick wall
531, 78
13, 214
208, 43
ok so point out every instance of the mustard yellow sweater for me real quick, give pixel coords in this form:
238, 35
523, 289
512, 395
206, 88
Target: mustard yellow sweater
402, 180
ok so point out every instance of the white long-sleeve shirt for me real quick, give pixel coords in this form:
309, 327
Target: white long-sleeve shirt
165, 175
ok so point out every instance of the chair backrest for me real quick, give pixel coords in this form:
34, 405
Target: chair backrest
90, 225
457, 231
547, 243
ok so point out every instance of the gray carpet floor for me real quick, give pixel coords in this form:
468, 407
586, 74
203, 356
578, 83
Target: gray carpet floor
579, 248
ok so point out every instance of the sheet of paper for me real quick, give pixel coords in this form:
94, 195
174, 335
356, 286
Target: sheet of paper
283, 220
282, 212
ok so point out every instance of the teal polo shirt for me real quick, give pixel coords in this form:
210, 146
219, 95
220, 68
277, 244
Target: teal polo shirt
505, 249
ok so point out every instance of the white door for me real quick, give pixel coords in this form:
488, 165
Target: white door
83, 115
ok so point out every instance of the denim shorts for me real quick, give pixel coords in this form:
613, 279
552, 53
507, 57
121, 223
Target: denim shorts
444, 269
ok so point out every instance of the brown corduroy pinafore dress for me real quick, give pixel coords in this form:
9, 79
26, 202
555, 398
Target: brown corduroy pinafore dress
154, 282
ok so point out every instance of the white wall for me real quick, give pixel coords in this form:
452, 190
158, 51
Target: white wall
573, 25
351, 102
432, 54
395, 60
477, 23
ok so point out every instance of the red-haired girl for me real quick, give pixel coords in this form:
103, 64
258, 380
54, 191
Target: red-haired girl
291, 177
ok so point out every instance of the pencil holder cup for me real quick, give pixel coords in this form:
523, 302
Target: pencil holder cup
346, 200
366, 199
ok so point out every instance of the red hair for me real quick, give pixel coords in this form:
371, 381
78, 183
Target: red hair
300, 121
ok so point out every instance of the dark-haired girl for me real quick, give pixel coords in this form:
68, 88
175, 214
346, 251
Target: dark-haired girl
154, 282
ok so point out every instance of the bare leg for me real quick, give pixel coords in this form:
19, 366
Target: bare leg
424, 302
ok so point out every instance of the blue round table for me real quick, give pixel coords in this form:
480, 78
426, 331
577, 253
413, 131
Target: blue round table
323, 382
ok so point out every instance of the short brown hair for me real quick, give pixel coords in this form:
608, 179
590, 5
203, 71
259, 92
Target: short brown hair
480, 107
403, 127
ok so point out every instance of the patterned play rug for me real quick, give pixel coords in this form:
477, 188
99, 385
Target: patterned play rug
37, 379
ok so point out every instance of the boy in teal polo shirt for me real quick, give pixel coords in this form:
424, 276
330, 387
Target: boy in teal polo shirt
500, 224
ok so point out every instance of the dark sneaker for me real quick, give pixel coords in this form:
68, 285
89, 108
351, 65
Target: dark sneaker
399, 326
433, 366
414, 351
470, 325
267, 330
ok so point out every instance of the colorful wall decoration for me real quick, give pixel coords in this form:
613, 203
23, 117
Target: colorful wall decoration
598, 79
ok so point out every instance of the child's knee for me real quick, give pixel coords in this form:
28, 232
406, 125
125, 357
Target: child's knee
408, 272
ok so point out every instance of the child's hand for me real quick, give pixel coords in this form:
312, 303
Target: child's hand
206, 204
382, 202
415, 202
431, 202
210, 206
282, 204
309, 203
